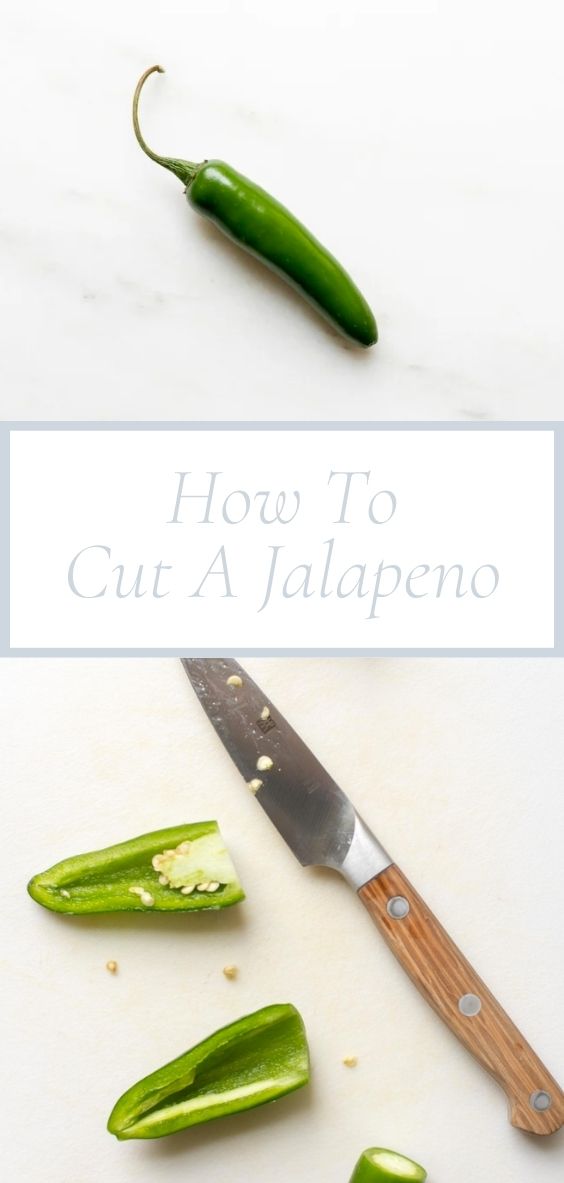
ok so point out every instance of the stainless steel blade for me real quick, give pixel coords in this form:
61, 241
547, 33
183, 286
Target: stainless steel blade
311, 812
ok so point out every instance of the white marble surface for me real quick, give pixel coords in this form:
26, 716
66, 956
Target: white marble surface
458, 766
421, 141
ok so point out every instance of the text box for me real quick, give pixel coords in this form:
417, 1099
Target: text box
298, 538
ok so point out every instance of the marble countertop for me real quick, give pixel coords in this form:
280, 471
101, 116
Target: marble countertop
420, 141
458, 767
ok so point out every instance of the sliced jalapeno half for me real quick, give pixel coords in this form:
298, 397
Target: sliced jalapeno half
180, 869
254, 1060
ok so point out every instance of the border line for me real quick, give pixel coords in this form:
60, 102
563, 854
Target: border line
558, 548
4, 542
8, 425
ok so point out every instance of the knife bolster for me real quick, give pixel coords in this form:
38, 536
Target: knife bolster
365, 857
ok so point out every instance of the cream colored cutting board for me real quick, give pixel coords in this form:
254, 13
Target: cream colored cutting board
458, 767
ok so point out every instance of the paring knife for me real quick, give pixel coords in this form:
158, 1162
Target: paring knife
321, 827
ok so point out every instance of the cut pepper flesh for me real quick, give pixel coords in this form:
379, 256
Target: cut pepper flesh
183, 868
377, 1165
254, 1060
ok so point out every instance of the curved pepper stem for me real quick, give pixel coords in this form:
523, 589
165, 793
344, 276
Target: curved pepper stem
185, 170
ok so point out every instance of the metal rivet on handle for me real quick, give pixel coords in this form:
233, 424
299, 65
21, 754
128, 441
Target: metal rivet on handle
397, 907
540, 1100
469, 1005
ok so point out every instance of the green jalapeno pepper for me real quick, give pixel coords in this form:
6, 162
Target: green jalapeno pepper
385, 1166
262, 226
257, 1059
180, 869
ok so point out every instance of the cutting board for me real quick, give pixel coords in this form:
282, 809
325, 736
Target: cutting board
455, 764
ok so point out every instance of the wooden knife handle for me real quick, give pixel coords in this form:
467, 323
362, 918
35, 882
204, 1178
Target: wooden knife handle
448, 982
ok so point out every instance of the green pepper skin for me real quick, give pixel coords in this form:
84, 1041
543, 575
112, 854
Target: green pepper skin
385, 1166
265, 228
101, 881
254, 1060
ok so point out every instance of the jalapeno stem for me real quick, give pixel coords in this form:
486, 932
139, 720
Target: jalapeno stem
185, 170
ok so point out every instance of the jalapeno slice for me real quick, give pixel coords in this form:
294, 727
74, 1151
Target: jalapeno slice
180, 869
259, 1058
377, 1165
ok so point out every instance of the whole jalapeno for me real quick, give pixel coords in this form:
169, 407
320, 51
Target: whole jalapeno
266, 229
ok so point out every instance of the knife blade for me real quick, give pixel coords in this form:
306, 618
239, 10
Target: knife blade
310, 811
322, 827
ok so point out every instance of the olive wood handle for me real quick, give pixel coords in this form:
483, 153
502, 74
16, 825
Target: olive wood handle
447, 981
